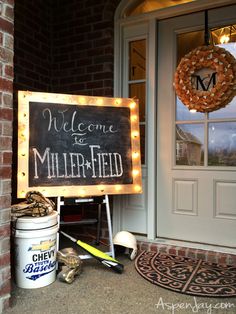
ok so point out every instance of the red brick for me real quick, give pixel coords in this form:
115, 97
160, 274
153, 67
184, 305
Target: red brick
8, 71
5, 273
181, 252
7, 158
212, 257
144, 246
6, 114
5, 143
172, 250
7, 100
8, 41
201, 254
6, 55
7, 128
5, 245
6, 303
6, 85
192, 253
222, 259
9, 13
231, 260
4, 230
5, 259
1, 38
5, 288
6, 26
153, 247
5, 172
162, 249
10, 2
5, 214
5, 201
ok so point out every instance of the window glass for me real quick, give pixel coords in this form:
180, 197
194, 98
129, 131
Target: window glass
220, 149
137, 65
137, 90
137, 85
190, 144
230, 110
142, 143
222, 144
182, 112
227, 112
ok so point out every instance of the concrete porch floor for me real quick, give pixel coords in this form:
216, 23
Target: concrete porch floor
100, 290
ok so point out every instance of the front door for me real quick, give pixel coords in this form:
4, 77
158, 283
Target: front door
196, 152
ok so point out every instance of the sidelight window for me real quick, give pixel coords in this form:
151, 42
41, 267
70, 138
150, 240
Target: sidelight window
137, 84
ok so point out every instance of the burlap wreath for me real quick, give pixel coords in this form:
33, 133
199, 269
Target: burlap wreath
219, 60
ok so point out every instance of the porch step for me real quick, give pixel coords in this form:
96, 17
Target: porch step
205, 255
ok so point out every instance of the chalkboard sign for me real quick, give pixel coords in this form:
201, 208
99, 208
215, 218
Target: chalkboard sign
78, 145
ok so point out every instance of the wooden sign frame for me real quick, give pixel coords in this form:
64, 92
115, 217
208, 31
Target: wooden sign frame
28, 102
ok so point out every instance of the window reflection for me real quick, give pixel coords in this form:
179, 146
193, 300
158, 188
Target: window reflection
189, 144
137, 84
222, 144
182, 112
227, 112
137, 66
137, 90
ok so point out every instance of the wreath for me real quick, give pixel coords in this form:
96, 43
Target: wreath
222, 63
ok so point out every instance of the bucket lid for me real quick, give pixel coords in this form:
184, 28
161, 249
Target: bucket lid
33, 223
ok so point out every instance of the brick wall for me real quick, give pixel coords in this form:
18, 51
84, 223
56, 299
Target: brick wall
6, 118
83, 47
32, 60
65, 47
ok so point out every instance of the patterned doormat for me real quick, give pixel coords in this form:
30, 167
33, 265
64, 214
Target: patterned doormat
185, 275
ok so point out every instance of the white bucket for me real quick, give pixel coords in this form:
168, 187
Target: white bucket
35, 250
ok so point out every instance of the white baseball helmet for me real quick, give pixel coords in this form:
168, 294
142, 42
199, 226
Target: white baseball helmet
127, 240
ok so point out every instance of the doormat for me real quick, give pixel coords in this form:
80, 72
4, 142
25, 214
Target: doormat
186, 275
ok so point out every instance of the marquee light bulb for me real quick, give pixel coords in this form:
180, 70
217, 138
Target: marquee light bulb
135, 172
134, 117
135, 155
132, 105
118, 187
135, 134
118, 101
82, 192
82, 100
137, 188
100, 102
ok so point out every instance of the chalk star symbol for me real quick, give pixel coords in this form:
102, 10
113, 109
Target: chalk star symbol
88, 164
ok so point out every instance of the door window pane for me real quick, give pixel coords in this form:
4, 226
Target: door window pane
182, 112
137, 65
220, 149
222, 144
189, 144
227, 112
